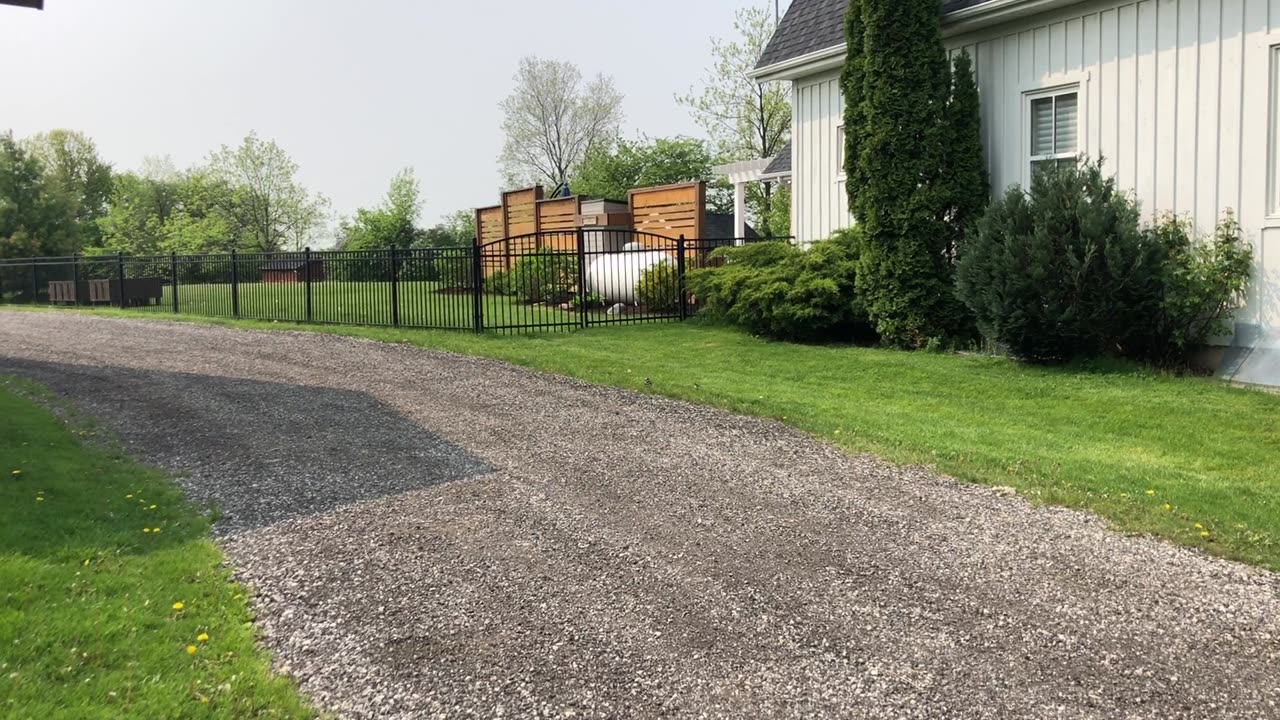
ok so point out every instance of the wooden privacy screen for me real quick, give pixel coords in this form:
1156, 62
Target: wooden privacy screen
559, 218
520, 209
489, 224
670, 210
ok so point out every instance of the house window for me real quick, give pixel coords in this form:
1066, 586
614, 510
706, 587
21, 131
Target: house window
1055, 129
1273, 137
840, 147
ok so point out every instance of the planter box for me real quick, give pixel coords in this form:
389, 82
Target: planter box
137, 291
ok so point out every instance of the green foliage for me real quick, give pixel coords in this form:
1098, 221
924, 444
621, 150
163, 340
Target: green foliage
965, 182
73, 169
457, 230
898, 192
1202, 281
852, 79
744, 118
658, 288
610, 170
545, 276
593, 301
499, 283
391, 224
259, 196
779, 291
1062, 270
36, 218
454, 268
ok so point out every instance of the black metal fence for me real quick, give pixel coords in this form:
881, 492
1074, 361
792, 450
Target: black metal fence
546, 281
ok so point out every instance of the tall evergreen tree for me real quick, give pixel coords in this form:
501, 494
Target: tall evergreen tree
851, 81
900, 197
966, 170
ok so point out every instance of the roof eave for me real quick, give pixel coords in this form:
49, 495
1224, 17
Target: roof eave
953, 23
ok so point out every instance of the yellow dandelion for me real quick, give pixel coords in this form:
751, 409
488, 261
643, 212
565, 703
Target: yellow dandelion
1167, 506
178, 605
16, 473
39, 498
1204, 533
146, 530
1151, 492
153, 507
1199, 526
202, 637
191, 649
155, 530
129, 496
86, 562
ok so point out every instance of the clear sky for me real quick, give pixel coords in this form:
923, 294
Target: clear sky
352, 90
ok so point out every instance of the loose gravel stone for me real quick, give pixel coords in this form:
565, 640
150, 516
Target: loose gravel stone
432, 535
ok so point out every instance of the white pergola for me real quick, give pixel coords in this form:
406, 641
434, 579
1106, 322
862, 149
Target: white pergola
739, 175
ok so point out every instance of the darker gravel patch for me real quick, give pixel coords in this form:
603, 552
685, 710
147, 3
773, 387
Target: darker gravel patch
260, 452
596, 553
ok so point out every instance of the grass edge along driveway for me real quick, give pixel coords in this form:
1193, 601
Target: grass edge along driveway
1192, 460
113, 601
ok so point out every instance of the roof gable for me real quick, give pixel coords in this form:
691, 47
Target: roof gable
813, 25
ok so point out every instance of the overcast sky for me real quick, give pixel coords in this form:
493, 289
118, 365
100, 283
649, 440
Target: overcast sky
352, 90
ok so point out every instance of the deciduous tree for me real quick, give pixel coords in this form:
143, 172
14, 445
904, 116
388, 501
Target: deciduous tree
264, 204
745, 119
551, 120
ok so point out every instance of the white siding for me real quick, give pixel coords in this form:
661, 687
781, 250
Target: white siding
1174, 95
819, 204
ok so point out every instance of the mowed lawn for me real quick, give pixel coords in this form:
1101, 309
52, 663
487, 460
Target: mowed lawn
1189, 459
113, 601
421, 304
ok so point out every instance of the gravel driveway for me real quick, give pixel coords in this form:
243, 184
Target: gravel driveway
436, 535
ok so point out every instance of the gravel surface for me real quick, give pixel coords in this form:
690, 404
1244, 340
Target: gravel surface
436, 535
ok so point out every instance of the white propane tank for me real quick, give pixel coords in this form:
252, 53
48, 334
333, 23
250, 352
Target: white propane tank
614, 276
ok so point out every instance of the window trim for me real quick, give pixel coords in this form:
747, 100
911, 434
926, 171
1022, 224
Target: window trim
1078, 86
841, 169
1273, 132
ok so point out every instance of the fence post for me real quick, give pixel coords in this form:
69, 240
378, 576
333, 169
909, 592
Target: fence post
680, 286
75, 279
35, 281
395, 288
235, 286
582, 277
306, 261
173, 279
120, 274
477, 290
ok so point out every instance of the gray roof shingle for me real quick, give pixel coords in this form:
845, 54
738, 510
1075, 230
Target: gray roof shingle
813, 25
781, 164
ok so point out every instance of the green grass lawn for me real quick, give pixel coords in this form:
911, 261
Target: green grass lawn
1189, 459
113, 601
421, 304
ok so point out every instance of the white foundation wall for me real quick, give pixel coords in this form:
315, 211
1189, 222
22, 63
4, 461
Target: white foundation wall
1176, 95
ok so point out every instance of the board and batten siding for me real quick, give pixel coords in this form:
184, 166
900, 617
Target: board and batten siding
1177, 96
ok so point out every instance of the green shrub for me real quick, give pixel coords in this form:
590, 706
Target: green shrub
545, 276
499, 283
1203, 282
1063, 270
782, 292
454, 268
658, 288
594, 301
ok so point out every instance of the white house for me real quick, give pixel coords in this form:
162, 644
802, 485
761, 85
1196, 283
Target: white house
1180, 97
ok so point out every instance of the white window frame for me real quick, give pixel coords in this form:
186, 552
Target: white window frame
1029, 98
1273, 132
841, 173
